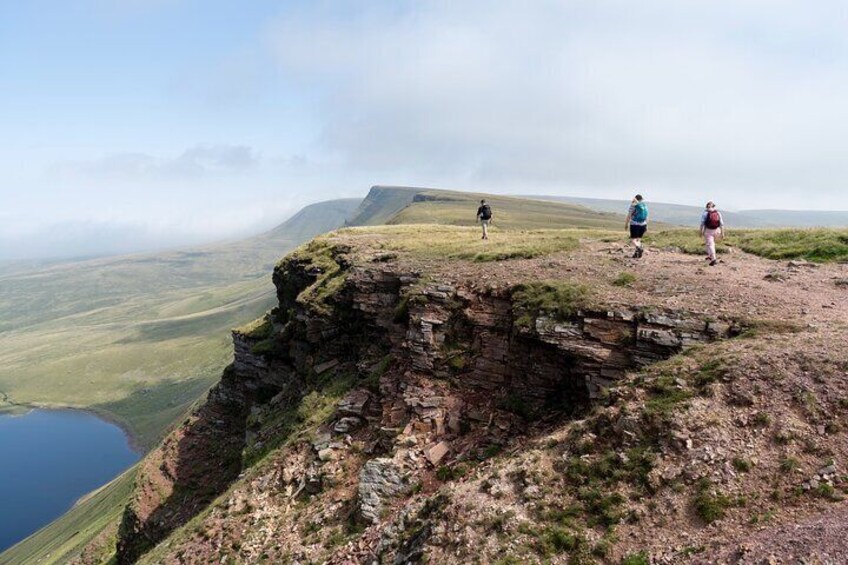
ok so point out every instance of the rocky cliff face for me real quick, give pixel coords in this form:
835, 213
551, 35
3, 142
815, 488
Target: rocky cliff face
397, 407
370, 372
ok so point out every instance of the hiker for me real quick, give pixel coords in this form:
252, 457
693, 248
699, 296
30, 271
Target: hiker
484, 214
637, 223
712, 228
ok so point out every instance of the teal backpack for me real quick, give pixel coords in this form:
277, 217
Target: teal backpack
640, 213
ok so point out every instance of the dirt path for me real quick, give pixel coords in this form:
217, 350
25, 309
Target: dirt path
742, 285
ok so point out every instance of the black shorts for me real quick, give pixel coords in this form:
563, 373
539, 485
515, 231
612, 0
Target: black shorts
637, 231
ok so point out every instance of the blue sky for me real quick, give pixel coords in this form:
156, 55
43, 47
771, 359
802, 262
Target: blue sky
132, 124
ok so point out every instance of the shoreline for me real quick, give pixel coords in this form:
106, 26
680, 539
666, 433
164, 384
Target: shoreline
15, 408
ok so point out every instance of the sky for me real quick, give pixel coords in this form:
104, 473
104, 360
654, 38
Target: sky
139, 124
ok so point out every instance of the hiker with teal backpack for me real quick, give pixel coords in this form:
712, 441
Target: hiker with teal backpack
637, 223
712, 228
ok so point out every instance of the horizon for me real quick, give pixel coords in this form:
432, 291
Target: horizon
133, 125
174, 247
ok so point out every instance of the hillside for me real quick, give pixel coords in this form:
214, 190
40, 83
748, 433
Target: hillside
383, 356
682, 215
171, 313
139, 338
404, 205
408, 401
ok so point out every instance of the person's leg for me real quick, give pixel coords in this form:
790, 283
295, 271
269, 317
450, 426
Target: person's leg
485, 228
634, 240
636, 233
709, 239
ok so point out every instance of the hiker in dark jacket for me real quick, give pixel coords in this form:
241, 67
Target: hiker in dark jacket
712, 228
484, 215
637, 223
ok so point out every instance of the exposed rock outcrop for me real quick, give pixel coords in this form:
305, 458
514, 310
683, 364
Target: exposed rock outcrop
434, 372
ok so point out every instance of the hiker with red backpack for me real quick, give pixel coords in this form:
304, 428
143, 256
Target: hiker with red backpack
712, 228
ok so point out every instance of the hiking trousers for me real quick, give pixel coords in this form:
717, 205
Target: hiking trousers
710, 241
485, 224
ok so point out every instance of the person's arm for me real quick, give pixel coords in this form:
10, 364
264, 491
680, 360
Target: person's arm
721, 226
703, 223
627, 220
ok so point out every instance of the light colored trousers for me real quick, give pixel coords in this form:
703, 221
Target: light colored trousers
710, 241
485, 228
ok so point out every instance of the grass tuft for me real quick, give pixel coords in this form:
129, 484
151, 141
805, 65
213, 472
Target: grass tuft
640, 558
710, 504
624, 280
558, 299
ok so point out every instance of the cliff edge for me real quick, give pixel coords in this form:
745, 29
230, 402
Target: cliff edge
546, 398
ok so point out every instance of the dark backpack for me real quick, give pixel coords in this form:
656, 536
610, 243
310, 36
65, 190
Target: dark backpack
485, 212
713, 221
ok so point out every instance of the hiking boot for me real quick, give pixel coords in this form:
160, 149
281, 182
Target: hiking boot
713, 263
639, 252
636, 253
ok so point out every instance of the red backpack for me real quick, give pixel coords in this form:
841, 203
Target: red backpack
713, 220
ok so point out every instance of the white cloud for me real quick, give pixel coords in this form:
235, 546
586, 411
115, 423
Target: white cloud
740, 100
198, 161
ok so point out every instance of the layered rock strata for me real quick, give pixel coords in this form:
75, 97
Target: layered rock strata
434, 370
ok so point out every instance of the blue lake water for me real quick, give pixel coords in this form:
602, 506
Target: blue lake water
48, 460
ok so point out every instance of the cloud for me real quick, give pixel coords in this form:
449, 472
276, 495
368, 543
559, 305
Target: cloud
195, 162
744, 99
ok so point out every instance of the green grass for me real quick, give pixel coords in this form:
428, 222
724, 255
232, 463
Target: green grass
758, 327
322, 257
640, 558
464, 243
135, 362
137, 339
819, 245
558, 299
742, 465
317, 405
63, 539
624, 280
459, 209
710, 504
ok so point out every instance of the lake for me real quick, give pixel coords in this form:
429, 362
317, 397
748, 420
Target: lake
48, 460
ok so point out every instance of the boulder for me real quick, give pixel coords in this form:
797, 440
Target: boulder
436, 453
355, 403
379, 480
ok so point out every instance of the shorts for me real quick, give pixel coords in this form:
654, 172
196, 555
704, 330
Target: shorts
637, 231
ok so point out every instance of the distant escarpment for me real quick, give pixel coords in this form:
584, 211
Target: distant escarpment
394, 406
